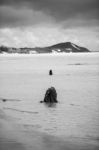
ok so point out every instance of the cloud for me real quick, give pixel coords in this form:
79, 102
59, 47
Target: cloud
64, 9
25, 12
45, 22
44, 36
14, 17
59, 8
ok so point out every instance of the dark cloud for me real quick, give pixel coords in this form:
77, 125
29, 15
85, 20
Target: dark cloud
64, 9
60, 10
15, 17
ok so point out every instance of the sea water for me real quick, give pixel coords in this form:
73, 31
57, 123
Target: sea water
24, 80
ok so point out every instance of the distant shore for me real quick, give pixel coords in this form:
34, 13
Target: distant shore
48, 54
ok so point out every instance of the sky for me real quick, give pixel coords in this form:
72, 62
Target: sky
33, 23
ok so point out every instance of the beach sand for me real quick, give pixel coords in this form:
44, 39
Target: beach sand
16, 137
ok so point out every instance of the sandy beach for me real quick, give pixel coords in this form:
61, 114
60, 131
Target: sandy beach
15, 137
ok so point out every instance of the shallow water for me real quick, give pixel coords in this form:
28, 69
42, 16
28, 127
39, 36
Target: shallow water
24, 80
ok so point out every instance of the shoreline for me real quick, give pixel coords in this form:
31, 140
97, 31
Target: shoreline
48, 54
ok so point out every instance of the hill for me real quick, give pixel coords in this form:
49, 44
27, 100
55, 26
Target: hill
66, 47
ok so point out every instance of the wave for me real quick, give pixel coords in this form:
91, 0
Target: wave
22, 111
4, 99
79, 64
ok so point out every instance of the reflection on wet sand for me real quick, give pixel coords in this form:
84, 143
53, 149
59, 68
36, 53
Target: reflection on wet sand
18, 137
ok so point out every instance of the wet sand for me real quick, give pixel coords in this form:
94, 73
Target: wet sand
16, 137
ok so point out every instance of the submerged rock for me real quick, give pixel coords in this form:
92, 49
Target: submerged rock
50, 96
4, 100
50, 72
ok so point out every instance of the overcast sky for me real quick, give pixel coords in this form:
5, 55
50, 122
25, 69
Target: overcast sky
45, 22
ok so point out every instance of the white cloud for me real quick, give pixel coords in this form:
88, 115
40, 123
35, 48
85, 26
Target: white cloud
48, 35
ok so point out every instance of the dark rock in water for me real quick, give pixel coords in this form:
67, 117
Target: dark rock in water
41, 101
4, 100
50, 96
50, 72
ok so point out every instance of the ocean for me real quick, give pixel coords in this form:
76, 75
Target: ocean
24, 80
